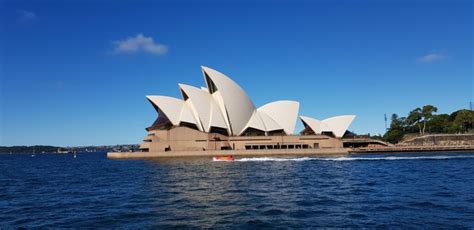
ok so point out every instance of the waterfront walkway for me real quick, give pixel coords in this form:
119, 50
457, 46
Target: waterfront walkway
402, 149
238, 153
285, 152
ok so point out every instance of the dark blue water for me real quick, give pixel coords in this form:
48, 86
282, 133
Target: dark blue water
372, 191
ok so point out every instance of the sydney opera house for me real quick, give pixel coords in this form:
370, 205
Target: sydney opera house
222, 117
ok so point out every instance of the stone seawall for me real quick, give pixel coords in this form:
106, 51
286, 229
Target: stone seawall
235, 153
440, 140
413, 149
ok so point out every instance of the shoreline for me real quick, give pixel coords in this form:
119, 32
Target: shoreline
237, 153
330, 152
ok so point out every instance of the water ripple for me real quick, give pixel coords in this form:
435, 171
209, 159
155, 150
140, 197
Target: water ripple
399, 191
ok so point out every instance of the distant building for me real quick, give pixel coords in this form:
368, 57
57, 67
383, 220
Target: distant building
222, 117
62, 150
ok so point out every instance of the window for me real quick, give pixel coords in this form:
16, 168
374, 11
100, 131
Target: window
253, 132
277, 133
189, 125
219, 131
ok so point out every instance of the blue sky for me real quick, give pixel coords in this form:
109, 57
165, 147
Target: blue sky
77, 73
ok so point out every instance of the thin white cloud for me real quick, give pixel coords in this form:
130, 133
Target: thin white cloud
432, 57
25, 16
139, 43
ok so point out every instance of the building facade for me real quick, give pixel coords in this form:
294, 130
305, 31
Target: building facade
222, 117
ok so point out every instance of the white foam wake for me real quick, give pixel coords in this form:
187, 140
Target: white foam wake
442, 157
276, 159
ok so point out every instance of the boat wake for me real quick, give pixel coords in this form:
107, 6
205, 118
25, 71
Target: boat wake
389, 158
277, 159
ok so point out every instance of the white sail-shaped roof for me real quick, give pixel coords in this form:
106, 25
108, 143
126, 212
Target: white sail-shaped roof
204, 106
263, 122
314, 124
187, 115
270, 124
223, 104
237, 105
169, 106
339, 124
256, 122
285, 113
220, 108
195, 114
174, 109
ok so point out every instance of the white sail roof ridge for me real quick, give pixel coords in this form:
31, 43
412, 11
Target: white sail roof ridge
201, 104
217, 119
255, 122
187, 114
170, 106
314, 124
339, 124
284, 112
270, 124
195, 114
235, 102
205, 106
219, 104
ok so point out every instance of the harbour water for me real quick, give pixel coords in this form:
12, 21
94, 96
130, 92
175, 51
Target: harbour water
402, 191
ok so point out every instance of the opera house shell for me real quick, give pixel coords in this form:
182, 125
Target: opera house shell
221, 116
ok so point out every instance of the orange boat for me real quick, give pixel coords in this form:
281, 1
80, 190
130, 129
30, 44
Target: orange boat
223, 158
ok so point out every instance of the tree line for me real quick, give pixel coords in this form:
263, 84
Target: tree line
30, 149
424, 120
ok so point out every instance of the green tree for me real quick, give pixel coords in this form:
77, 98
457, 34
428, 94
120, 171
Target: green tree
394, 136
414, 118
464, 119
439, 123
427, 115
396, 131
453, 128
420, 117
396, 122
424, 120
